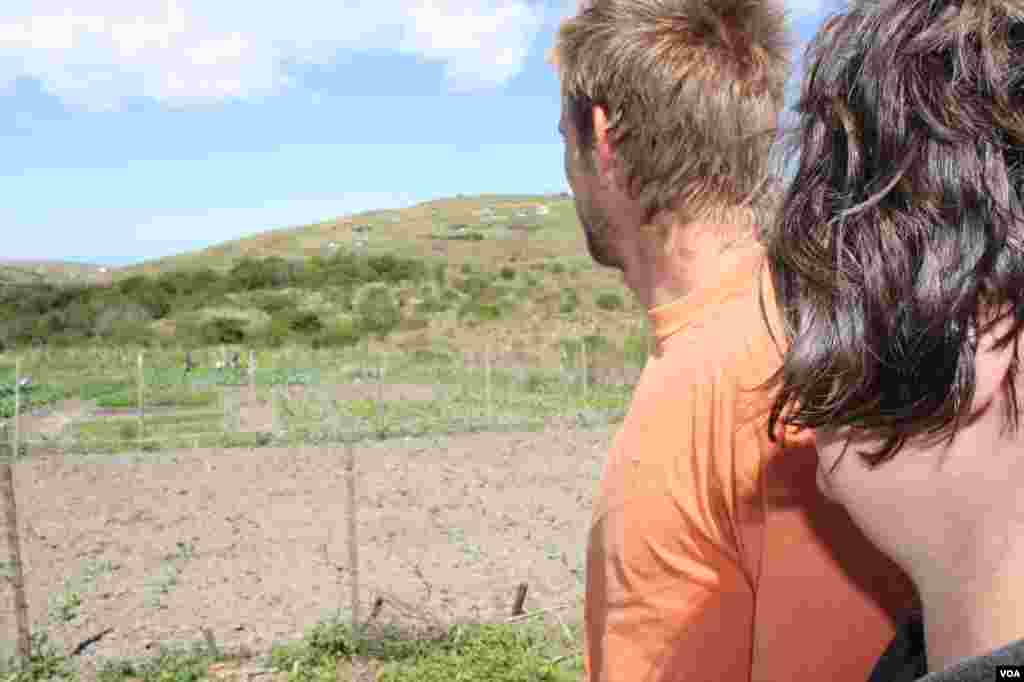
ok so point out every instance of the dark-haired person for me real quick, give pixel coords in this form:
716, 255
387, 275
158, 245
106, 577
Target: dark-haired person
712, 556
897, 265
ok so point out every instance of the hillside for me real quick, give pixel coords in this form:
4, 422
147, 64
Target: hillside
511, 272
514, 232
58, 272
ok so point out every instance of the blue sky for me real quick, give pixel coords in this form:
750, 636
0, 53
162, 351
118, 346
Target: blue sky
134, 129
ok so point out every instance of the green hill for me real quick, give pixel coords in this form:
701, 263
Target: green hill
458, 273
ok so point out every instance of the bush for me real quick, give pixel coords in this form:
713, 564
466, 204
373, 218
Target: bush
609, 301
508, 273
306, 323
130, 334
112, 315
128, 430
392, 269
223, 330
272, 303
338, 334
377, 308
475, 285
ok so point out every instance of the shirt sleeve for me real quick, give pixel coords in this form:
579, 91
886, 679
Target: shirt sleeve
670, 593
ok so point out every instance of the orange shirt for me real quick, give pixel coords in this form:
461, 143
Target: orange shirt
712, 555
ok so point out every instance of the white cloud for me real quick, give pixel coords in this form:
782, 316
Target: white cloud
186, 51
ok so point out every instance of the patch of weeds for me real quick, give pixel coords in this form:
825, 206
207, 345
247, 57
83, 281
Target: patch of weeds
502, 653
539, 382
568, 302
184, 551
128, 430
426, 355
161, 584
497, 653
171, 664
6, 569
479, 311
609, 301
65, 605
635, 349
46, 664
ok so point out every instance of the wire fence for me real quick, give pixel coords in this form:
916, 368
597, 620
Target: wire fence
145, 402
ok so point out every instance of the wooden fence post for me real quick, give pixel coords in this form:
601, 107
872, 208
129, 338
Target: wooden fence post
275, 410
583, 366
142, 399
17, 407
16, 576
487, 384
353, 529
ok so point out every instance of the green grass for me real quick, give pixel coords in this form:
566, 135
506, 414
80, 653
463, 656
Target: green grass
508, 652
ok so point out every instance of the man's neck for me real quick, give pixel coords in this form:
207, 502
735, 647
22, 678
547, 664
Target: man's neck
966, 620
692, 256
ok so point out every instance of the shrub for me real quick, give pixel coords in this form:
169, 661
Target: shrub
432, 305
306, 323
427, 355
377, 308
474, 285
392, 269
128, 430
130, 334
609, 301
226, 330
338, 334
113, 315
508, 273
273, 303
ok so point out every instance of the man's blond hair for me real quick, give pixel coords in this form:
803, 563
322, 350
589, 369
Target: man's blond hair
692, 89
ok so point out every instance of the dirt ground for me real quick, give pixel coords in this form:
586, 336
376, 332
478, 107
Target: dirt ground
253, 544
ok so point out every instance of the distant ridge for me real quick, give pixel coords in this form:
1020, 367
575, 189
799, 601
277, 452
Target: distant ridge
400, 231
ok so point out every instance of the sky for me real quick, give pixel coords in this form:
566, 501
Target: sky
135, 129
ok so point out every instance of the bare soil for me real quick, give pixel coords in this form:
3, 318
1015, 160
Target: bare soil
253, 544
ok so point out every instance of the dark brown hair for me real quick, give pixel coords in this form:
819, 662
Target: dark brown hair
692, 89
900, 234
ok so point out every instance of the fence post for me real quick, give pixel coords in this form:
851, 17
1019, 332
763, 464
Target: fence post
353, 540
275, 418
17, 577
252, 371
487, 384
583, 368
142, 403
17, 407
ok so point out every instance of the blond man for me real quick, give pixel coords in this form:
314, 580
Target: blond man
712, 555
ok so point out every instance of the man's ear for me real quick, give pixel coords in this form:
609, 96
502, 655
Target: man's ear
604, 150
